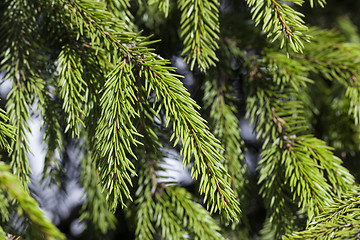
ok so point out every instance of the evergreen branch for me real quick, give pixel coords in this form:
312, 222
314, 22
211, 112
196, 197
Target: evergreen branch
72, 88
18, 111
280, 16
341, 220
276, 194
145, 203
275, 115
19, 61
53, 138
175, 202
148, 160
192, 215
26, 69
145, 215
113, 143
339, 177
116, 134
304, 159
94, 210
42, 85
193, 218
195, 136
336, 60
120, 9
199, 31
280, 20
313, 159
166, 218
305, 177
179, 107
177, 215
217, 98
27, 204
102, 27
7, 131
286, 70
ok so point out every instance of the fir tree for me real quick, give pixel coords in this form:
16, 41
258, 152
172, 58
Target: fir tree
101, 84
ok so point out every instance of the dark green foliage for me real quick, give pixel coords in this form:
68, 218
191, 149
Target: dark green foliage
280, 20
199, 30
99, 86
95, 210
338, 221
